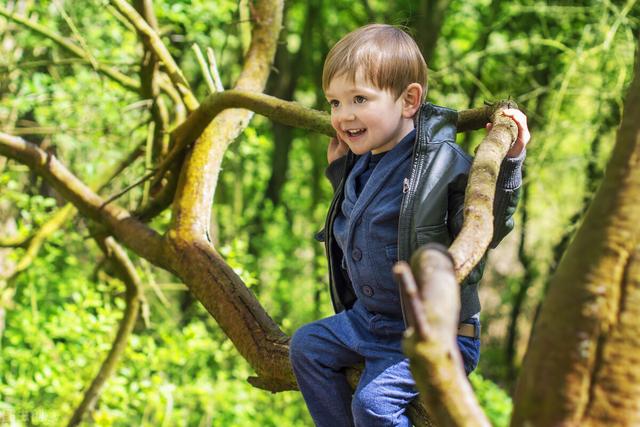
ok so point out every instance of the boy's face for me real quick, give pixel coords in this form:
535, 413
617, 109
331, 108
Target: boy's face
366, 118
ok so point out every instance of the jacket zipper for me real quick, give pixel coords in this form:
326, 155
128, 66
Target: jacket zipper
408, 189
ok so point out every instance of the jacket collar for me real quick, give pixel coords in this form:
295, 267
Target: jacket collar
436, 124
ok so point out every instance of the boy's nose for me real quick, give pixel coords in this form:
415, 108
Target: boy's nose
347, 115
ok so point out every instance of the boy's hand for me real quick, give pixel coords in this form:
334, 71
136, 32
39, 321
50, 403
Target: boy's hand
523, 131
336, 149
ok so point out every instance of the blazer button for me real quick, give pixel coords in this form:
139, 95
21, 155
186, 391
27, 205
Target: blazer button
356, 254
367, 290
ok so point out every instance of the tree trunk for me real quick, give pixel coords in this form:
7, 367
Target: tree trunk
586, 342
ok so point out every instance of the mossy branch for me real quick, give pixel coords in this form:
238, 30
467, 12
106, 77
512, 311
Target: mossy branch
477, 230
127, 229
430, 340
288, 113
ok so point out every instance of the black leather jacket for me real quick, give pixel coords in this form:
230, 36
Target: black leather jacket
432, 205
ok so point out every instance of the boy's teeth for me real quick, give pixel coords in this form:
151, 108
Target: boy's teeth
355, 131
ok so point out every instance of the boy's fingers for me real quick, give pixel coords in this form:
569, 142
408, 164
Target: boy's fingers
521, 121
518, 116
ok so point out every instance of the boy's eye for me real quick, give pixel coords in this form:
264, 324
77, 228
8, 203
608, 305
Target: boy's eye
334, 103
358, 99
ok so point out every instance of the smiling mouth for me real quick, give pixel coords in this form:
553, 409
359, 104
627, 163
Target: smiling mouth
355, 132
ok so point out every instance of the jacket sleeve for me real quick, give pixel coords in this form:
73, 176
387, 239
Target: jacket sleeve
506, 197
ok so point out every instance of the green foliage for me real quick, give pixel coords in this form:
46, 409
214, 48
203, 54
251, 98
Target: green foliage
172, 373
495, 401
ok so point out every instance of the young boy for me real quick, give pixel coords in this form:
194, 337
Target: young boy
399, 182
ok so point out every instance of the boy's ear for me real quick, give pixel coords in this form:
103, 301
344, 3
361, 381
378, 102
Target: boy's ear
411, 100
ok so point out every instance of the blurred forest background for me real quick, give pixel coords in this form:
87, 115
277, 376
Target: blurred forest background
567, 64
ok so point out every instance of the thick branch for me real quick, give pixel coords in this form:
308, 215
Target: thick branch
289, 113
127, 273
175, 73
477, 230
128, 230
256, 336
589, 317
430, 341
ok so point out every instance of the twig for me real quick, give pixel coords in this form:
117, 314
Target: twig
148, 157
127, 189
112, 73
17, 241
36, 241
77, 34
175, 73
213, 69
203, 67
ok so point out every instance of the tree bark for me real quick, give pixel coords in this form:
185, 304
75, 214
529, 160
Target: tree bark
518, 300
586, 342
477, 230
430, 341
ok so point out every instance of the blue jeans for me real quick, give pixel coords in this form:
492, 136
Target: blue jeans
320, 351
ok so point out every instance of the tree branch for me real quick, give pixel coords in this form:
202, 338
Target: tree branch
17, 241
110, 72
256, 336
477, 230
175, 73
289, 113
127, 273
430, 341
133, 233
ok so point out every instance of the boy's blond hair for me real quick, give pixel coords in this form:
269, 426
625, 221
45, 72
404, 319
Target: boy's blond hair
387, 56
